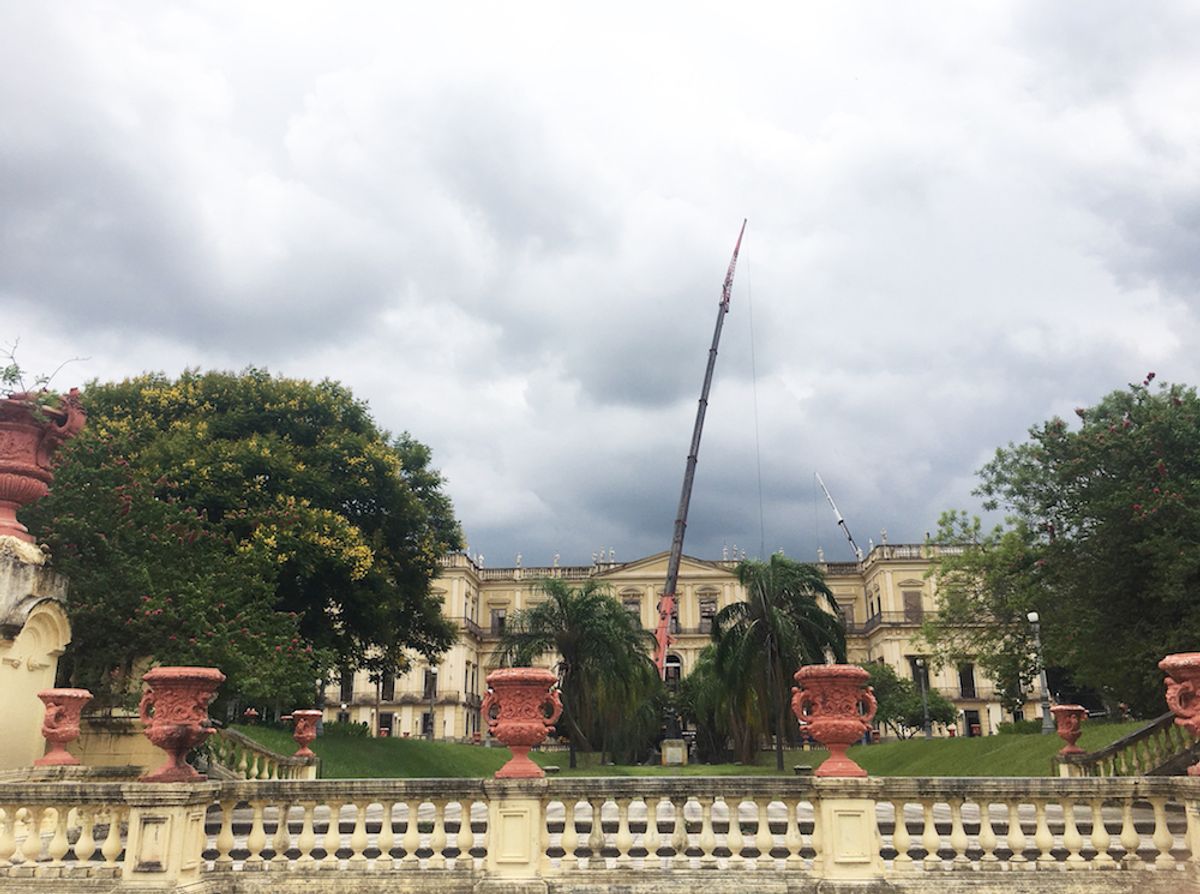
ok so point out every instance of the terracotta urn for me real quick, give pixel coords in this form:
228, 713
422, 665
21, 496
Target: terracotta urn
174, 710
29, 435
304, 731
1068, 718
521, 706
61, 724
1183, 693
834, 705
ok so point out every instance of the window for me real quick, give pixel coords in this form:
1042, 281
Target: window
913, 609
966, 680
347, 686
387, 686
707, 612
343, 717
673, 671
633, 605
430, 682
426, 723
386, 719
498, 615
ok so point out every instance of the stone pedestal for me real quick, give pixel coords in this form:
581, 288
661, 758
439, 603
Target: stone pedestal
674, 753
33, 633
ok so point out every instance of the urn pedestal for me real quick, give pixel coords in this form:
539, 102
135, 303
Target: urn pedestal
174, 709
521, 707
29, 435
61, 724
304, 730
1067, 719
834, 704
1183, 693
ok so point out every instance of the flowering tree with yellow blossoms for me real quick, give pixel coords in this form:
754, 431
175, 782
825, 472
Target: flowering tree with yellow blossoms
260, 524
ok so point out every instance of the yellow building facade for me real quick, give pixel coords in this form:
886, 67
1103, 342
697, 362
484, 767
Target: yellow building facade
883, 600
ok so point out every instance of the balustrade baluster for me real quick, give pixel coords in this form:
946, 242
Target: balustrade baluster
818, 834
596, 836
1016, 836
734, 842
624, 840
958, 836
225, 842
465, 839
708, 838
1042, 837
358, 837
545, 861
791, 838
987, 838
111, 848
85, 845
437, 838
1072, 839
1162, 838
31, 849
58, 846
930, 840
1100, 837
901, 840
387, 836
282, 839
679, 836
763, 839
412, 836
8, 835
243, 763
256, 840
650, 838
333, 836
308, 837
1129, 836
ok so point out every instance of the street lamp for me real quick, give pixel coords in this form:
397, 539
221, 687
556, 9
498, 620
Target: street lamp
1047, 719
433, 674
924, 699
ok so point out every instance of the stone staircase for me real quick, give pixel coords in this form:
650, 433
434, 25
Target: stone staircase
1160, 748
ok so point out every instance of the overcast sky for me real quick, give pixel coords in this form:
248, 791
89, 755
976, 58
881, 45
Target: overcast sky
505, 226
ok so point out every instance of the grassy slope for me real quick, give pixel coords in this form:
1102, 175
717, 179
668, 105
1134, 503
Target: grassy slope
411, 758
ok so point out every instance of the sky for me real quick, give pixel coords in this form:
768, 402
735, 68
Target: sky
505, 227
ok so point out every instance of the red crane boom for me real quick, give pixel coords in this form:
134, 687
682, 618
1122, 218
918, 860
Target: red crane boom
666, 605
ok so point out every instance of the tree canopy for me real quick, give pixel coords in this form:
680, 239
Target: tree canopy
261, 524
611, 691
900, 705
1102, 540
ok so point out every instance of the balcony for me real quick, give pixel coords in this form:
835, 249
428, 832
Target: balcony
890, 619
471, 627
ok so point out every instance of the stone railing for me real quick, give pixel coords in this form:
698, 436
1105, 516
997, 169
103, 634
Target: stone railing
243, 758
1160, 747
633, 834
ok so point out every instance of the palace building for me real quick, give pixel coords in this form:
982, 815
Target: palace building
883, 599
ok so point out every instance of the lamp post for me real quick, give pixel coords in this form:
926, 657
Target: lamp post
1047, 719
433, 675
924, 699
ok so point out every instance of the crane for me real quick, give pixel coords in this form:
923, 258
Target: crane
840, 520
666, 604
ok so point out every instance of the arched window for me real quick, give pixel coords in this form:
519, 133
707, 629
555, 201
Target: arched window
674, 670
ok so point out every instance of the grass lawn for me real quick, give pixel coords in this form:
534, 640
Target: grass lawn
1023, 755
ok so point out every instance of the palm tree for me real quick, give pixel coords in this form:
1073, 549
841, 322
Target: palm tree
789, 619
603, 653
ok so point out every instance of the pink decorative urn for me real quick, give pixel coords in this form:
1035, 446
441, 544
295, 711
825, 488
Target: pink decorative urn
1068, 718
29, 435
174, 709
1183, 693
521, 706
835, 706
61, 724
304, 731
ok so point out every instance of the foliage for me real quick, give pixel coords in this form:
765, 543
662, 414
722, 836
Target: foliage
611, 691
1104, 539
708, 703
900, 706
345, 729
263, 525
788, 620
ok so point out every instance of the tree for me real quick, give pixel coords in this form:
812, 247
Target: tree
604, 667
900, 707
261, 524
1103, 540
789, 619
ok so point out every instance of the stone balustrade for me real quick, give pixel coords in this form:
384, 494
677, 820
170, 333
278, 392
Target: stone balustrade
1159, 746
636, 834
245, 758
